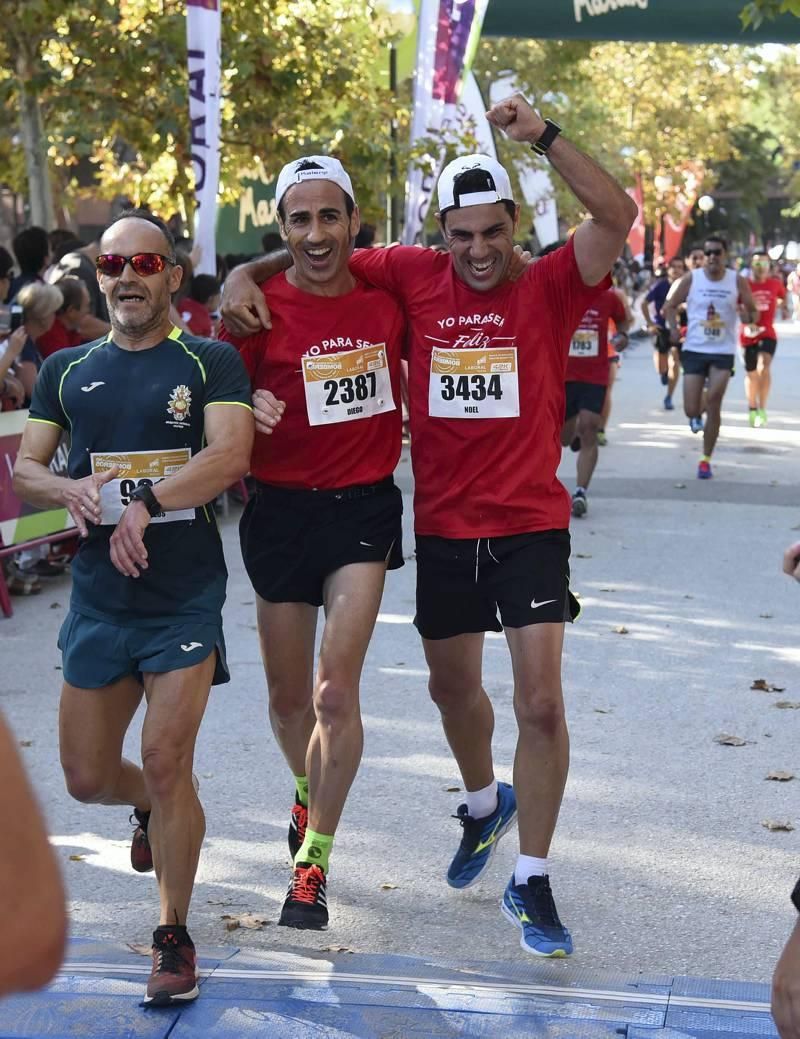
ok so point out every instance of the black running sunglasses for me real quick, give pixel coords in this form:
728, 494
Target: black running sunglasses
143, 264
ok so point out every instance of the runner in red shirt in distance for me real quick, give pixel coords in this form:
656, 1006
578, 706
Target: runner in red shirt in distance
759, 340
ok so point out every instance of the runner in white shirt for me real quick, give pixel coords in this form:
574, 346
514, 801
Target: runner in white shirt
715, 298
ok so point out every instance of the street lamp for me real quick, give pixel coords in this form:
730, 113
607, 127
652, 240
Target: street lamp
705, 203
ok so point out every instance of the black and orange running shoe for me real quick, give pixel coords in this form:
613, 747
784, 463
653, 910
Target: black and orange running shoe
306, 904
141, 852
298, 822
173, 978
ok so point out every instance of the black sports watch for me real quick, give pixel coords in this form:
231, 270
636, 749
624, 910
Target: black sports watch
796, 896
144, 493
549, 134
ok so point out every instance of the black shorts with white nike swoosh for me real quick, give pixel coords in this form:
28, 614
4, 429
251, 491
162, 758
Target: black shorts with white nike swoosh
97, 653
462, 584
293, 539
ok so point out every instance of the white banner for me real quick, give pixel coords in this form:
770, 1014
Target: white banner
203, 19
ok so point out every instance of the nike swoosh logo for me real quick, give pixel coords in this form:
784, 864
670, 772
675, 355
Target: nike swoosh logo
92, 386
366, 544
535, 605
192, 645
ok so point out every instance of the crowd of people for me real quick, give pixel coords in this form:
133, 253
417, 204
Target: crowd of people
301, 387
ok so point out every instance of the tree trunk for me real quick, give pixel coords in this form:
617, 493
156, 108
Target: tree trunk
33, 140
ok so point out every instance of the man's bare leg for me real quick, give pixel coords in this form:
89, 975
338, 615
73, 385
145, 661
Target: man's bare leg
176, 702
718, 379
92, 726
287, 631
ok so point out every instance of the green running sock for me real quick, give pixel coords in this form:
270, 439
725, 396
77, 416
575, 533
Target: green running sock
316, 849
301, 785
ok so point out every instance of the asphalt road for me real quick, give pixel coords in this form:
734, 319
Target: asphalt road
661, 861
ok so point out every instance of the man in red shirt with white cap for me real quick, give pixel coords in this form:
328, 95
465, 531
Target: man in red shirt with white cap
487, 361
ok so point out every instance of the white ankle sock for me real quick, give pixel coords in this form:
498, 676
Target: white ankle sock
481, 803
529, 866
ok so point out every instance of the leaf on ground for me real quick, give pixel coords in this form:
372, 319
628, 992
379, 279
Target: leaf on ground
246, 920
621, 630
602, 710
680, 486
779, 776
452, 789
787, 705
766, 616
337, 948
688, 597
582, 555
226, 902
777, 825
388, 887
400, 663
140, 949
761, 685
608, 589
55, 605
26, 743
77, 858
725, 739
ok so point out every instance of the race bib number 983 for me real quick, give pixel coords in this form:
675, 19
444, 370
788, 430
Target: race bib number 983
350, 385
138, 468
474, 383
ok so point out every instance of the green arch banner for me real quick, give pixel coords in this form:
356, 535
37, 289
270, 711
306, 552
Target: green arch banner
681, 21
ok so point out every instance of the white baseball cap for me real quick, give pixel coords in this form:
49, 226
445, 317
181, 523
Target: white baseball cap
313, 167
488, 182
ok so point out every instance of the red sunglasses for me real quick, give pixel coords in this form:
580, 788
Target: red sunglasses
143, 264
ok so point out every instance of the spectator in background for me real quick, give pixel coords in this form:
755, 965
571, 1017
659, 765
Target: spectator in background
39, 302
270, 241
199, 307
786, 979
62, 241
69, 318
365, 239
31, 891
32, 250
78, 262
12, 392
793, 285
184, 261
6, 272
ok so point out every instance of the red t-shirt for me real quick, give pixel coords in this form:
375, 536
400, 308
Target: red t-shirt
486, 425
196, 317
57, 338
335, 361
588, 350
766, 295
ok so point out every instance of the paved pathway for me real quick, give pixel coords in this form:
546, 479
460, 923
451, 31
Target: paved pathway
661, 864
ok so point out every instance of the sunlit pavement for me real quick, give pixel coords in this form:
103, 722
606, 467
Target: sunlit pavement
662, 865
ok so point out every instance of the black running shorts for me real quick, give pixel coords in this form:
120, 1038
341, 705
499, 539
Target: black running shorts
584, 396
462, 584
763, 346
292, 540
663, 342
695, 363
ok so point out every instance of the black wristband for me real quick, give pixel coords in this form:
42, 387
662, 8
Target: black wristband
796, 896
549, 134
144, 494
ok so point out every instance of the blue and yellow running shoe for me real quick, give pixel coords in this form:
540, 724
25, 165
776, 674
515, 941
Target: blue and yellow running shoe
480, 837
531, 908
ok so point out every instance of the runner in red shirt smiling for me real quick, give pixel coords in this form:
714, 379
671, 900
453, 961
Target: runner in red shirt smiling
325, 522
487, 361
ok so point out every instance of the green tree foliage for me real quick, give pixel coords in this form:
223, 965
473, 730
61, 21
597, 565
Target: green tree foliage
753, 14
111, 80
661, 111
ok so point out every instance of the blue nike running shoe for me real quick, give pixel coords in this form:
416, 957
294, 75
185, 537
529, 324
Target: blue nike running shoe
531, 908
480, 837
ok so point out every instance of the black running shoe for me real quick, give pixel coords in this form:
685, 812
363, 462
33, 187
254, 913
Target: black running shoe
298, 823
306, 904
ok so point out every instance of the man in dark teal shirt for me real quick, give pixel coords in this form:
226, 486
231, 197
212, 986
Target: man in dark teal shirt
160, 423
